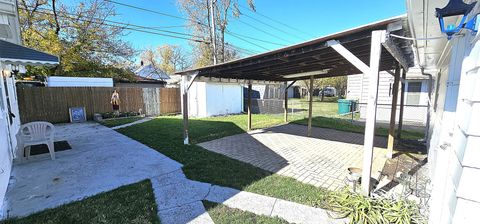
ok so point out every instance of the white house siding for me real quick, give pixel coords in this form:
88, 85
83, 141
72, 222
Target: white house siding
210, 99
5, 145
8, 13
357, 88
454, 154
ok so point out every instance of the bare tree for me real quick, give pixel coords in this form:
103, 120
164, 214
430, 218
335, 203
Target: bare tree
199, 23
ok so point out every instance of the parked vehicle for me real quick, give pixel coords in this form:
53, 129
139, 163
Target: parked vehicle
330, 91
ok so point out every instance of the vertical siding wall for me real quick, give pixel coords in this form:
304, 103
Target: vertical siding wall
52, 104
357, 88
454, 154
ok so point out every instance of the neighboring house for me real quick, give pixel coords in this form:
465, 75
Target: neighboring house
140, 82
151, 72
63, 81
13, 59
415, 102
454, 108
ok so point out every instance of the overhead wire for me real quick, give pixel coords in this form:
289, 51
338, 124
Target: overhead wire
273, 27
178, 17
128, 28
278, 22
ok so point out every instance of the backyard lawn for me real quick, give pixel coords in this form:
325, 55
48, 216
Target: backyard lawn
222, 214
165, 135
133, 203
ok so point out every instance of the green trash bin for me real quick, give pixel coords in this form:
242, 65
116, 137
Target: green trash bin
344, 106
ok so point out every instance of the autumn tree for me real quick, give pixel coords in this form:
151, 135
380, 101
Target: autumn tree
199, 22
86, 44
168, 58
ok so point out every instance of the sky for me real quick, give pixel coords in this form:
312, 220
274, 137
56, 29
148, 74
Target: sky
303, 19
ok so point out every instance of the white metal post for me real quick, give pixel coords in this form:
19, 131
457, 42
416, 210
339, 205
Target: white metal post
378, 36
184, 90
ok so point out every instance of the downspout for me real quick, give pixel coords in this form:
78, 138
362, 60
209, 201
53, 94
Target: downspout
415, 45
429, 90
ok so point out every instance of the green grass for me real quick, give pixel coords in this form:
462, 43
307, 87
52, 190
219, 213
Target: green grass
133, 203
346, 125
119, 121
224, 215
165, 135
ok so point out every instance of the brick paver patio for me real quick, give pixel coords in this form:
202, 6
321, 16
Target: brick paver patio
321, 160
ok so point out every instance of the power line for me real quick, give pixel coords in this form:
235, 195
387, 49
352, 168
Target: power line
129, 24
123, 27
253, 38
279, 22
263, 31
187, 19
240, 38
147, 10
273, 27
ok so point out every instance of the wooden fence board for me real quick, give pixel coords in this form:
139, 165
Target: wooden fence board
52, 104
170, 100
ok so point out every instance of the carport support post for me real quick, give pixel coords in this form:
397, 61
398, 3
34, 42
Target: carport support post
285, 107
378, 36
184, 89
393, 113
402, 105
310, 101
249, 106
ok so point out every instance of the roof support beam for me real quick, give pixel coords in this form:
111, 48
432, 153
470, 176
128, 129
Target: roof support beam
378, 37
349, 56
396, 52
393, 113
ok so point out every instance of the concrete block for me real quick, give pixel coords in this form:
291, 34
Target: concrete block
193, 213
255, 203
297, 213
181, 193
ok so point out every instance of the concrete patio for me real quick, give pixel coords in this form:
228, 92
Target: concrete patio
321, 160
100, 160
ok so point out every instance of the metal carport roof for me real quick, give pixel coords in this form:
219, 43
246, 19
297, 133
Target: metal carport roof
316, 55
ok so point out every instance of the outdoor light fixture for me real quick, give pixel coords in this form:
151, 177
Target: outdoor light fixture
456, 8
304, 74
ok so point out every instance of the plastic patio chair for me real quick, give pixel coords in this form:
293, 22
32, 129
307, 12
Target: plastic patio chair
36, 133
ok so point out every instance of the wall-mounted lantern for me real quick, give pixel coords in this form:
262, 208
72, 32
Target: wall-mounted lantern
453, 9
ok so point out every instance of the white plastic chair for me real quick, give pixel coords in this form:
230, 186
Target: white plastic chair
36, 133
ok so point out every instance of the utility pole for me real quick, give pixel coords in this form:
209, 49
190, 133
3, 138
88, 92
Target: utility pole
212, 30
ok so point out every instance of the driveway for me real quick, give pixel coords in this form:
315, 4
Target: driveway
321, 160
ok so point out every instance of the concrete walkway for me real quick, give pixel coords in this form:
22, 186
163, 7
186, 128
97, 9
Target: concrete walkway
145, 119
321, 160
179, 200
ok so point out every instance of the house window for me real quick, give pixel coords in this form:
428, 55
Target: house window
414, 90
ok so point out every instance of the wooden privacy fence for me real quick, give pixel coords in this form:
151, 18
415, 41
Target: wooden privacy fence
52, 104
